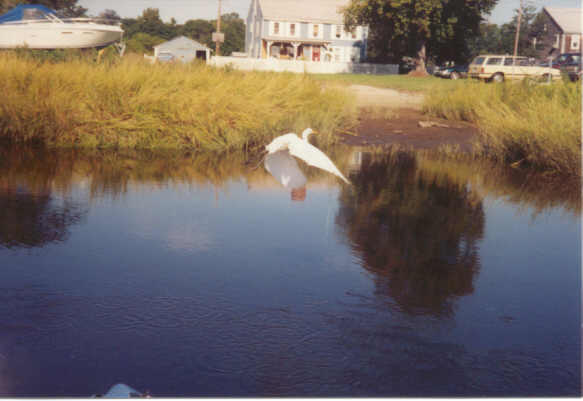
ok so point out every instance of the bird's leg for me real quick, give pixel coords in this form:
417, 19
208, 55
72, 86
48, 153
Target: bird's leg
261, 161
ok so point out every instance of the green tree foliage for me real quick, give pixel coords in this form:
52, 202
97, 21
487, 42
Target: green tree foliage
148, 30
500, 39
68, 8
199, 30
151, 23
488, 41
110, 15
234, 30
418, 28
143, 43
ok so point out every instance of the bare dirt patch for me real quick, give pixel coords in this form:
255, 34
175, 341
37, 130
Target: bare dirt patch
388, 116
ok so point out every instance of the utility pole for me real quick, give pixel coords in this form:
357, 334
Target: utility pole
517, 29
219, 30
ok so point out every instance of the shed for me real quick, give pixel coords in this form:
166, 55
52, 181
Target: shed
183, 49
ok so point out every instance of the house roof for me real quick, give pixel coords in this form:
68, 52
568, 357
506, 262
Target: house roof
181, 42
568, 19
322, 11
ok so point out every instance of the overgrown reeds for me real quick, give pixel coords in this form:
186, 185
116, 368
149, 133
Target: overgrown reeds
525, 123
133, 104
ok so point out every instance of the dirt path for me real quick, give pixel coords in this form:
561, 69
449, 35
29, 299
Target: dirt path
388, 116
369, 96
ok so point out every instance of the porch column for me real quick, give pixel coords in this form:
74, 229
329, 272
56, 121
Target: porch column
269, 43
295, 45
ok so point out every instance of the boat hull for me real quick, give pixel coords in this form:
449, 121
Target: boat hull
58, 35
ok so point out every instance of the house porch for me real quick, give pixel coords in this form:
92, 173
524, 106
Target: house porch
307, 50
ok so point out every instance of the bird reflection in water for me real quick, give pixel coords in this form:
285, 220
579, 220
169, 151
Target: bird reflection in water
286, 171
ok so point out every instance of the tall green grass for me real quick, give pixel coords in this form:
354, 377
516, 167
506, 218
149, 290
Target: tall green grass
133, 104
530, 124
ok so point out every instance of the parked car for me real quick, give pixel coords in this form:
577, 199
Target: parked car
565, 58
572, 68
497, 68
456, 72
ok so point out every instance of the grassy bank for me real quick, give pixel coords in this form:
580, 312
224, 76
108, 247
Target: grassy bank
133, 104
527, 124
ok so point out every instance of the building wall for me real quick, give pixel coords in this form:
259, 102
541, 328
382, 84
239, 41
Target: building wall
182, 50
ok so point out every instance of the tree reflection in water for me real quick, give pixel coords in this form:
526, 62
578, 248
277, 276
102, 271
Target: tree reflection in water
30, 214
416, 232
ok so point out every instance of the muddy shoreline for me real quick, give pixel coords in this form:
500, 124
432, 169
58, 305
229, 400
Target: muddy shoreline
391, 117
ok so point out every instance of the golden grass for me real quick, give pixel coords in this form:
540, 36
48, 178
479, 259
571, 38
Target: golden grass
132, 104
525, 123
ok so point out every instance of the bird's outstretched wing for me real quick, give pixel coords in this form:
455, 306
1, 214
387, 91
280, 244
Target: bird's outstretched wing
314, 157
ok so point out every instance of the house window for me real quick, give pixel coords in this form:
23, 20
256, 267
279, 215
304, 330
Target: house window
575, 42
557, 39
353, 33
338, 31
316, 31
276, 28
292, 29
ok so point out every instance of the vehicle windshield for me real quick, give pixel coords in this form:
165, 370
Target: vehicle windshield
478, 60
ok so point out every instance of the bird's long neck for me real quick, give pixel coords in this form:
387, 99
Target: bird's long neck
306, 134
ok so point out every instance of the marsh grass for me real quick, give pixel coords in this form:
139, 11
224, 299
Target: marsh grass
132, 104
522, 124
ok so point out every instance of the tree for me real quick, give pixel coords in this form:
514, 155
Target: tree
142, 43
418, 28
110, 15
151, 23
199, 30
488, 41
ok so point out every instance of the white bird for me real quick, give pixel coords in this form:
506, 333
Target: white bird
302, 149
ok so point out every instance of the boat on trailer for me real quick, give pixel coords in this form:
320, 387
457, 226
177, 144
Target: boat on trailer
39, 27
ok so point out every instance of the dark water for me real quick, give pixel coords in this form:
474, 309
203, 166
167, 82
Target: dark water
196, 276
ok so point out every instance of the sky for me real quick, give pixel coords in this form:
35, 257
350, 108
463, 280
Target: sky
183, 10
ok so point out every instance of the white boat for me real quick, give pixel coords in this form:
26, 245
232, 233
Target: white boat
38, 27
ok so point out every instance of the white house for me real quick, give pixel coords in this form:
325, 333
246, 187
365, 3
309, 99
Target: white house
310, 30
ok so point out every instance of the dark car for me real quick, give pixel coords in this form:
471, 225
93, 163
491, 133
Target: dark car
562, 59
572, 68
456, 72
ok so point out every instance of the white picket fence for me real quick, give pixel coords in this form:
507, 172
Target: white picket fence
300, 66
